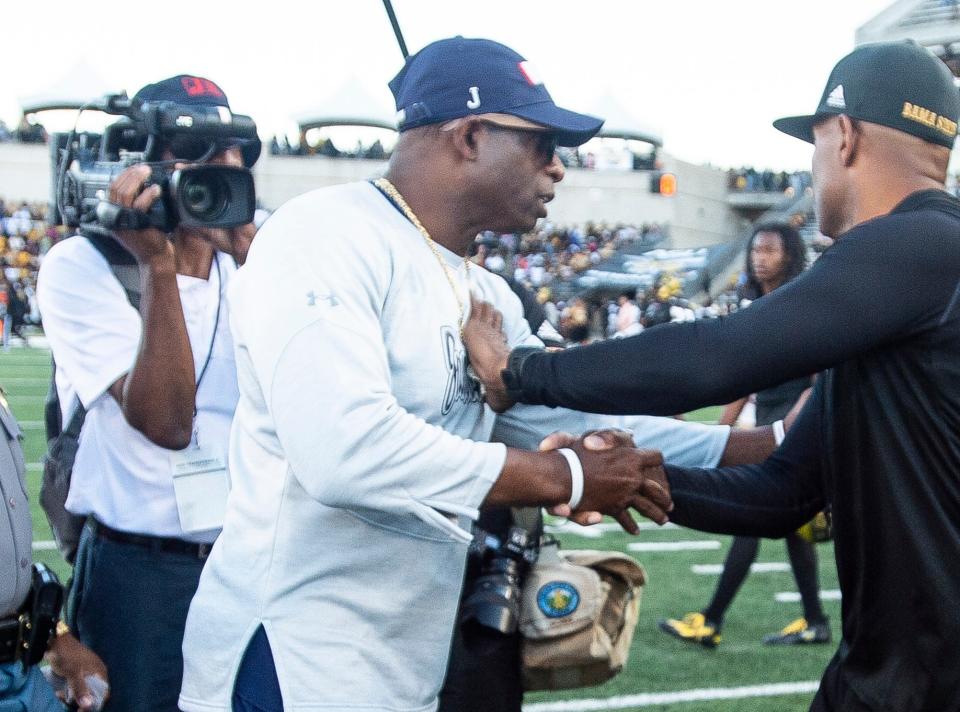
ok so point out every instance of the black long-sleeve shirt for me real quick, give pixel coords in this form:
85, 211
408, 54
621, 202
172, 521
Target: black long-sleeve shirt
880, 440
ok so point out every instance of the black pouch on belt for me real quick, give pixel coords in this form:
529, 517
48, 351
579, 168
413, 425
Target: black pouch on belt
40, 615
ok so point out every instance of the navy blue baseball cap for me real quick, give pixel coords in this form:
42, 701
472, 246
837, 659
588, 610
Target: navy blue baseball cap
457, 77
186, 89
900, 85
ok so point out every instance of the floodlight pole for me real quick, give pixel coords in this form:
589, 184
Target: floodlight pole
396, 27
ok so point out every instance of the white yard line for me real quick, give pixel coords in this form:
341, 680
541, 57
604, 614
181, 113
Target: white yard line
794, 596
763, 567
649, 699
598, 530
44, 546
693, 545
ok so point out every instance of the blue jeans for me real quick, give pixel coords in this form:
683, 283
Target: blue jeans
257, 688
129, 605
25, 692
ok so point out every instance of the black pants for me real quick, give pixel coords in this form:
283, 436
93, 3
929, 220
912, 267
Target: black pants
835, 695
743, 552
484, 673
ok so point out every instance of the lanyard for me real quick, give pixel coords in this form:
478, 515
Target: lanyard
216, 325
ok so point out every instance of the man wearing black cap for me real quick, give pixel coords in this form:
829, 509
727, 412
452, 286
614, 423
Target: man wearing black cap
880, 438
158, 384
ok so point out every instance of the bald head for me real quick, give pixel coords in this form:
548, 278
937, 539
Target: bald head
904, 153
862, 170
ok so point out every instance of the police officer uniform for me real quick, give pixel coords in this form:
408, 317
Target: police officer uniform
18, 687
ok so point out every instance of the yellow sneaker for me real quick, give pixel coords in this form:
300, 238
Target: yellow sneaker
799, 632
693, 628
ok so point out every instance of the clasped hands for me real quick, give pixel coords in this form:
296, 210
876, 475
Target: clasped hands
617, 478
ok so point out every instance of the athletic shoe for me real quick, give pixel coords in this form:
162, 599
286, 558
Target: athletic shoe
800, 633
693, 628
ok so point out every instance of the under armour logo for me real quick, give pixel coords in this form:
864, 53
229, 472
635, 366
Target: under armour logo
474, 101
312, 298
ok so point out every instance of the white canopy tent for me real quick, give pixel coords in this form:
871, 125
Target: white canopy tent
71, 91
350, 105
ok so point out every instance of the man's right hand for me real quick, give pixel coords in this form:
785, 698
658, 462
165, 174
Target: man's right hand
127, 190
652, 496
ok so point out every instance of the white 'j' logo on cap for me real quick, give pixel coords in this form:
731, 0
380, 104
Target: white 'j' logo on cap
474, 101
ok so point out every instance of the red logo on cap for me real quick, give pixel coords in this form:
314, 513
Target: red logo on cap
530, 73
197, 86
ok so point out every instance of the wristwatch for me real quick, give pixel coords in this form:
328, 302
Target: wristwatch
511, 375
62, 628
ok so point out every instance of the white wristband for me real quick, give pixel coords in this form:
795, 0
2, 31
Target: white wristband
778, 432
576, 476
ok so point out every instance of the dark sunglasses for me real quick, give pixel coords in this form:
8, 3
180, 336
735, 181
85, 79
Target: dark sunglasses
545, 142
191, 148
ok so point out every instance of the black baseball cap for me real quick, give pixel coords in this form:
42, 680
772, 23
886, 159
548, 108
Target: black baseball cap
457, 77
189, 90
900, 85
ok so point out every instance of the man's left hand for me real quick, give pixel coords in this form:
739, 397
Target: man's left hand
232, 240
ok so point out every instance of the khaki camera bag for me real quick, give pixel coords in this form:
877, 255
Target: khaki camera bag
577, 615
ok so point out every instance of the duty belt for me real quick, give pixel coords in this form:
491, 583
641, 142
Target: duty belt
9, 638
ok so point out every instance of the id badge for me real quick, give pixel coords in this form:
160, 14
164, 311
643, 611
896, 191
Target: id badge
201, 485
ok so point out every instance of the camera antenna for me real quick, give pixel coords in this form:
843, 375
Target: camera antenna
396, 28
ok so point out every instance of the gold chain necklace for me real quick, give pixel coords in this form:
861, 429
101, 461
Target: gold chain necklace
391, 191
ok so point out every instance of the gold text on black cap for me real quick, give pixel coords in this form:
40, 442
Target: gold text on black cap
929, 118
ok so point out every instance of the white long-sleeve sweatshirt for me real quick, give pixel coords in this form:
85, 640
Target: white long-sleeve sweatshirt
358, 456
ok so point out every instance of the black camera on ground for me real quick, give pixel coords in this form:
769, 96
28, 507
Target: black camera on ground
497, 569
159, 134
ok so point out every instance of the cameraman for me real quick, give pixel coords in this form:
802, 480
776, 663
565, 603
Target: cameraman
153, 381
69, 659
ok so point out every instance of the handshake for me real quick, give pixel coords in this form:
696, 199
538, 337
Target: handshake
616, 477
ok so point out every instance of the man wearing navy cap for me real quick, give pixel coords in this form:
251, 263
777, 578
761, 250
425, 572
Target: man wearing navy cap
880, 437
159, 387
360, 451
335, 581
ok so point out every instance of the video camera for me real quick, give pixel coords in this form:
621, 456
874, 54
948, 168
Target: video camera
202, 195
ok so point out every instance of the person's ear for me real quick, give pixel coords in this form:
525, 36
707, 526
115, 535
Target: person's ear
465, 137
850, 138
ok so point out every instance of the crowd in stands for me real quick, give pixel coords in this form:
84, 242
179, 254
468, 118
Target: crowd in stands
581, 158
750, 180
548, 261
281, 146
27, 131
25, 237
553, 257
545, 261
554, 253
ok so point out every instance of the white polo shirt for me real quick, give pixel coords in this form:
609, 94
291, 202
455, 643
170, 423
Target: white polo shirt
359, 454
119, 476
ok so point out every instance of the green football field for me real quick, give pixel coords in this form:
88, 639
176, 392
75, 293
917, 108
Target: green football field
741, 675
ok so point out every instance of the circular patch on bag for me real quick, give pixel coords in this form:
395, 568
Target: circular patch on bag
557, 599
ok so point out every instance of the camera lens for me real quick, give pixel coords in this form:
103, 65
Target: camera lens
205, 196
